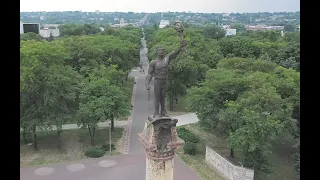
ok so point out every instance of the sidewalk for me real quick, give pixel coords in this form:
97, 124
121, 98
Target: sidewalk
100, 125
189, 118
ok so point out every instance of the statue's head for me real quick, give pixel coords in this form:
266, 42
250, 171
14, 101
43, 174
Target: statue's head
160, 51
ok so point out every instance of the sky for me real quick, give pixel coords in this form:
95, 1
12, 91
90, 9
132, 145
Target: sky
203, 6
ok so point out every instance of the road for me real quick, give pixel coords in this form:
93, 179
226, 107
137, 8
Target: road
140, 109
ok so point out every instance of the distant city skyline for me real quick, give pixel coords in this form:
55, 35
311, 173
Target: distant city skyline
201, 6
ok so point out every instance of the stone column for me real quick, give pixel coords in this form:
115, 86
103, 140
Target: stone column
160, 140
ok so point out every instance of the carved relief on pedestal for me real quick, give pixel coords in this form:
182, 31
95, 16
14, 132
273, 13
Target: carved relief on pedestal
160, 138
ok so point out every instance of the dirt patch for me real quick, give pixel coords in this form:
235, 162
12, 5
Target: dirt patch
120, 144
73, 145
173, 113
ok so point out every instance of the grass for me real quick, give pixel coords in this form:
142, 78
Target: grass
128, 87
280, 160
73, 145
179, 108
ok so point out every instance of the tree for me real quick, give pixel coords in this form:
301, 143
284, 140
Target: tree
248, 102
89, 52
61, 87
91, 29
100, 101
261, 117
290, 27
208, 99
119, 105
238, 27
214, 32
30, 36
38, 61
71, 30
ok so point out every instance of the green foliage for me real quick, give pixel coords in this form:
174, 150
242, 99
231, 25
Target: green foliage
78, 30
106, 147
190, 148
214, 32
89, 52
290, 27
250, 102
238, 27
187, 135
74, 75
94, 152
30, 36
297, 159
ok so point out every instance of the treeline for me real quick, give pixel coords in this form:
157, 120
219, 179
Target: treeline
75, 77
244, 88
78, 17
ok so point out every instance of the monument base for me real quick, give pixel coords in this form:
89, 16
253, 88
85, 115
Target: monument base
160, 140
159, 170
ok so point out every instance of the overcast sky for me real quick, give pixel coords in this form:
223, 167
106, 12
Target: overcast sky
209, 6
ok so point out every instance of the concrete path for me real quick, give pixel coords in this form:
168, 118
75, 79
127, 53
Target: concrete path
121, 167
183, 119
140, 106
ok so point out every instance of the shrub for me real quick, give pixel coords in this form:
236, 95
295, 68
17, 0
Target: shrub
94, 152
187, 135
106, 147
190, 148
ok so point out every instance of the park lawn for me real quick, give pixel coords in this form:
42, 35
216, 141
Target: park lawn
74, 143
128, 87
179, 108
281, 159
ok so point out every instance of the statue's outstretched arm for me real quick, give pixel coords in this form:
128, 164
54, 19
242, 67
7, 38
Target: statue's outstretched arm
174, 54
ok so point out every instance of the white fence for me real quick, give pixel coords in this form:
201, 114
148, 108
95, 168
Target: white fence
226, 168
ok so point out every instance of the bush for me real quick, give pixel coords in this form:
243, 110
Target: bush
94, 152
190, 148
106, 147
187, 135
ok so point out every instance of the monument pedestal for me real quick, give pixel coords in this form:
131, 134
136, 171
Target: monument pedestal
160, 141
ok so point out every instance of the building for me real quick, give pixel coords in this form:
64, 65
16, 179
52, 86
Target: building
29, 27
51, 25
21, 27
164, 23
264, 27
122, 23
231, 32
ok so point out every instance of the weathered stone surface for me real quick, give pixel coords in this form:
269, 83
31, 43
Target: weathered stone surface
160, 140
107, 163
226, 168
75, 167
159, 170
43, 171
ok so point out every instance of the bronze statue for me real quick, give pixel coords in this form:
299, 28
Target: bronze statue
159, 70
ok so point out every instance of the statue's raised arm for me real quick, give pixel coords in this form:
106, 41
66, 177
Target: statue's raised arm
174, 54
178, 26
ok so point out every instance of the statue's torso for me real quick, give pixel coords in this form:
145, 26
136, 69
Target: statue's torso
160, 70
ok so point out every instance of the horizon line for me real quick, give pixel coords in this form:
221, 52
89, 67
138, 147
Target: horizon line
169, 11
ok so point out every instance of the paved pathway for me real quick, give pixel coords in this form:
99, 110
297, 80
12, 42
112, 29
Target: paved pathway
123, 167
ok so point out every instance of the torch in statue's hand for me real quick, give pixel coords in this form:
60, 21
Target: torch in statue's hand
178, 26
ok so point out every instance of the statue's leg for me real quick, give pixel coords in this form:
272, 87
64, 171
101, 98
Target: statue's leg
163, 100
157, 92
